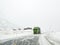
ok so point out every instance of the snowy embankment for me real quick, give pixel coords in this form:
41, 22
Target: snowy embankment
7, 35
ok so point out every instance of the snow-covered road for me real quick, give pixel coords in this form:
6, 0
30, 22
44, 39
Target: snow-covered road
52, 38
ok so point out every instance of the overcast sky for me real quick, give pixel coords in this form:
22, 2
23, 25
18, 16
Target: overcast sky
30, 13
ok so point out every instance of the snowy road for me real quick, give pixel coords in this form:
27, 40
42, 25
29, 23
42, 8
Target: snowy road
27, 38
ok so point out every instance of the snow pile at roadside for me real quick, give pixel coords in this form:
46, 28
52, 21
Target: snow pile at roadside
14, 34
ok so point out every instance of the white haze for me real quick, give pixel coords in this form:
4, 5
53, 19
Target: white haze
30, 13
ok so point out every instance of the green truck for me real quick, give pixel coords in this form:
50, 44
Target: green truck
36, 30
